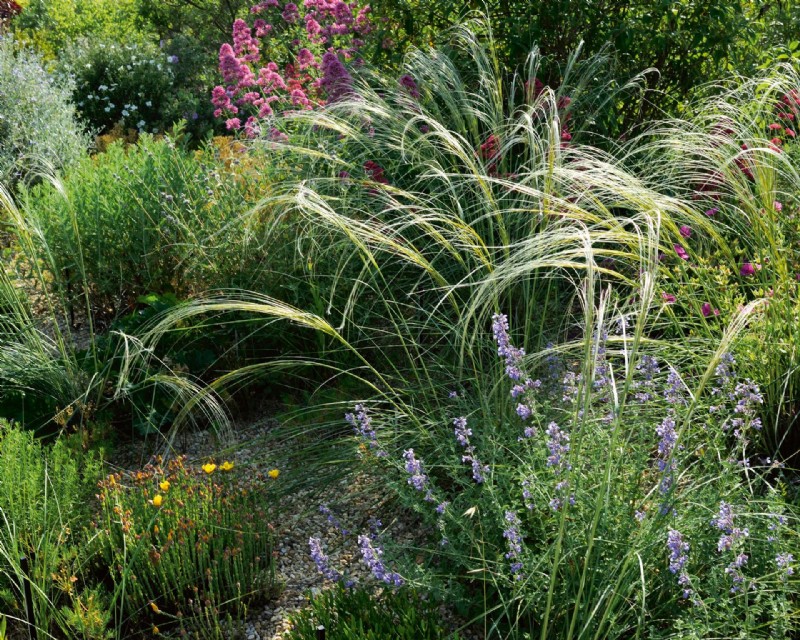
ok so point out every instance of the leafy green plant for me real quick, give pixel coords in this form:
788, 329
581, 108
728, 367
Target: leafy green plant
154, 217
356, 614
49, 25
187, 544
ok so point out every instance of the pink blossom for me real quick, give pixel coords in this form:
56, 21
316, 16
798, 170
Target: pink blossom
747, 269
706, 310
681, 252
668, 298
299, 98
305, 58
375, 171
686, 231
290, 13
251, 128
775, 126
243, 41
312, 27
712, 212
777, 206
277, 136
409, 84
263, 29
233, 123
490, 148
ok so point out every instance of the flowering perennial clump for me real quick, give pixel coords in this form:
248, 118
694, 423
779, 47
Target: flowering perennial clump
208, 536
291, 58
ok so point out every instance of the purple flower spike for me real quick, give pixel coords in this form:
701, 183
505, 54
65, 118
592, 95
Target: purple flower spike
321, 560
372, 558
505, 349
463, 433
784, 561
417, 477
678, 555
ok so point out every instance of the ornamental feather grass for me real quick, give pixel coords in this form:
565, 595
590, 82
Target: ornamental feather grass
426, 217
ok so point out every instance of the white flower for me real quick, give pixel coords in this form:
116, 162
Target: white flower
141, 124
149, 103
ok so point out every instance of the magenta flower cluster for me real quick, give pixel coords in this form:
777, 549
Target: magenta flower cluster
290, 58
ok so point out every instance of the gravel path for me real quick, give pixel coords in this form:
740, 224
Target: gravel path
354, 503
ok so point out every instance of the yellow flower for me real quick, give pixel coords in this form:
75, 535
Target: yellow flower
209, 467
274, 473
155, 528
226, 466
164, 486
157, 500
154, 607
155, 631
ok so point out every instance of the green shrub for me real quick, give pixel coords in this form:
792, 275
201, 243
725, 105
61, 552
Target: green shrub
38, 129
154, 217
186, 545
137, 86
355, 614
49, 25
129, 84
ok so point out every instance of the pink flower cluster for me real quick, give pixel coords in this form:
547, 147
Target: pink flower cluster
291, 58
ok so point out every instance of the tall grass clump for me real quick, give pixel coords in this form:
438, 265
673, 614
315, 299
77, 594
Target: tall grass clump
736, 160
53, 378
578, 470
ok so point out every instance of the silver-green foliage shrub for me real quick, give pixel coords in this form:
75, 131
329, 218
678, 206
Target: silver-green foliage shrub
38, 128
